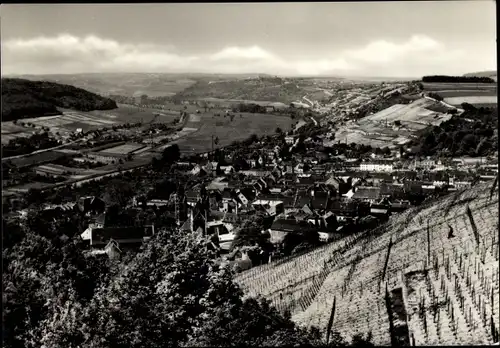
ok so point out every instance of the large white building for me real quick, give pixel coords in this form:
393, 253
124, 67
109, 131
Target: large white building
376, 166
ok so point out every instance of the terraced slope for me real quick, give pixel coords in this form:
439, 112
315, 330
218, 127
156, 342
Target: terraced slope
439, 290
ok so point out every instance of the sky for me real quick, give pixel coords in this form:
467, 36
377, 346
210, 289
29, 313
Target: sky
385, 39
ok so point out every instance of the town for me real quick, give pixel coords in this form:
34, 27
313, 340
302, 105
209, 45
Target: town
284, 184
287, 174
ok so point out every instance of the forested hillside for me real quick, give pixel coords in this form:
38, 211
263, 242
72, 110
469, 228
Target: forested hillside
24, 99
457, 79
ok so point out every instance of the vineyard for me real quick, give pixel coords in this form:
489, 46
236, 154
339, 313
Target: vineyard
429, 276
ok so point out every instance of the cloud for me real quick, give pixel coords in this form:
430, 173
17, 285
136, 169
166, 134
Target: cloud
66, 53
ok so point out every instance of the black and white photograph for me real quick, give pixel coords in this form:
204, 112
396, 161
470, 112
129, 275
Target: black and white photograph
249, 174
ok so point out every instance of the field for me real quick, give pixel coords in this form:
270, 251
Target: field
475, 100
197, 133
230, 102
378, 130
70, 121
124, 149
472, 93
42, 157
440, 290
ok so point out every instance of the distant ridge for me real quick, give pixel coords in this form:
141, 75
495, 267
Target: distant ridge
490, 73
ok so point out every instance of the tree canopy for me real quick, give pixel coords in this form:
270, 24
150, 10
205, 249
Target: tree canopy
171, 293
24, 98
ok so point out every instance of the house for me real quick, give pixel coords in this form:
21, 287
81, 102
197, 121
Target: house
377, 166
241, 261
338, 184
282, 227
98, 237
157, 202
223, 231
232, 201
252, 162
211, 168
198, 170
255, 173
112, 250
320, 200
260, 185
380, 208
227, 169
299, 168
107, 157
399, 205
241, 196
218, 184
377, 178
271, 207
193, 196
289, 139
91, 205
392, 191
366, 194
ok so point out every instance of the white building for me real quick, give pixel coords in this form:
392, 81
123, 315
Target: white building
289, 140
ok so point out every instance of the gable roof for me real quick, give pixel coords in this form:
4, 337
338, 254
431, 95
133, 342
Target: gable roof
364, 192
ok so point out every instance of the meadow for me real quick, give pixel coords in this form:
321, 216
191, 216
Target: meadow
200, 128
71, 120
474, 100
478, 94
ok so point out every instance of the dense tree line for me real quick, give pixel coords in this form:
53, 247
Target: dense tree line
251, 107
457, 79
473, 133
24, 98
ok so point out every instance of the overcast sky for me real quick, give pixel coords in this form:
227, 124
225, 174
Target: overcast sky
392, 39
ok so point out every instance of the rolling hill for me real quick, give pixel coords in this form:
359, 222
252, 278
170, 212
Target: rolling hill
135, 84
24, 99
407, 281
491, 74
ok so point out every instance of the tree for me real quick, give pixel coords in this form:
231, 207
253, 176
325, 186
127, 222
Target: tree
169, 295
278, 130
118, 192
250, 234
171, 153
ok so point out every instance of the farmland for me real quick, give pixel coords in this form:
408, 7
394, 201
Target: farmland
380, 130
198, 131
474, 100
448, 289
70, 121
458, 93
